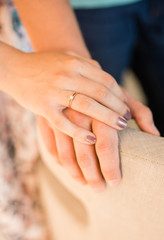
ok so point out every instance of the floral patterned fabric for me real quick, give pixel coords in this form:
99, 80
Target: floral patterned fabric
21, 216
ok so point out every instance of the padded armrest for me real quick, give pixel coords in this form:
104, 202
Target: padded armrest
133, 210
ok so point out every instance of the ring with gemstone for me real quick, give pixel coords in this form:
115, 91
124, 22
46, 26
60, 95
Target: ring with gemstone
71, 98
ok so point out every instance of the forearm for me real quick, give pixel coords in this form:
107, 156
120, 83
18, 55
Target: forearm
8, 61
52, 25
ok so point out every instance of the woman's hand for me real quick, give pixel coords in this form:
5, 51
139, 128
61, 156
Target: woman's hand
142, 114
88, 164
98, 164
43, 83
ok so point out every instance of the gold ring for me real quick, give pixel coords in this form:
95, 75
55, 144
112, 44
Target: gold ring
71, 98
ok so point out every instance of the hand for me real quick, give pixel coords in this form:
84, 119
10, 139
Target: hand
142, 114
43, 83
88, 164
81, 160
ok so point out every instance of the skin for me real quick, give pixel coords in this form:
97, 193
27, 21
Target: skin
53, 77
48, 30
98, 164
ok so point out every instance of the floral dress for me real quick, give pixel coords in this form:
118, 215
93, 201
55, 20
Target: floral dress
21, 216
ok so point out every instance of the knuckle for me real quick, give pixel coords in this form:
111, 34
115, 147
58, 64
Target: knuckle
59, 77
84, 160
96, 63
60, 74
66, 160
73, 62
103, 147
102, 93
109, 81
69, 52
110, 173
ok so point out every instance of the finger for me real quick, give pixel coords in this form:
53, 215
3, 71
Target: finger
95, 73
92, 70
98, 92
144, 118
67, 156
48, 137
47, 134
107, 152
142, 114
89, 165
92, 108
85, 154
89, 60
59, 121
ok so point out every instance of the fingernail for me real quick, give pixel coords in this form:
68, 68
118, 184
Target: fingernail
155, 130
114, 183
122, 122
126, 103
127, 115
91, 139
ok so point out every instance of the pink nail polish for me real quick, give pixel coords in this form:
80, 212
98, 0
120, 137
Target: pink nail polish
91, 139
127, 115
122, 123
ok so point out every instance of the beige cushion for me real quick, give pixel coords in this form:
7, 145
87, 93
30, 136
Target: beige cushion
132, 211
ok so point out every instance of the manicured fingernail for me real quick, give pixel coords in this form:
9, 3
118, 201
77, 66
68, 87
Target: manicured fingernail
91, 139
114, 183
155, 130
122, 122
126, 103
127, 115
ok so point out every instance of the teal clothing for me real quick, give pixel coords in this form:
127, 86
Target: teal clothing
100, 3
